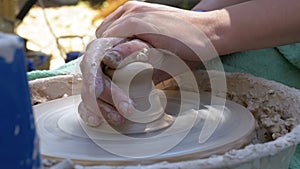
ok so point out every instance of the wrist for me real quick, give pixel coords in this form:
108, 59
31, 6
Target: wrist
216, 26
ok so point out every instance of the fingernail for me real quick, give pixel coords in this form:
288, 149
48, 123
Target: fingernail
113, 56
92, 121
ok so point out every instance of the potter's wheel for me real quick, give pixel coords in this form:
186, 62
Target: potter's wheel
61, 134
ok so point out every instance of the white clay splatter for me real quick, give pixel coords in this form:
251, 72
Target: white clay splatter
17, 130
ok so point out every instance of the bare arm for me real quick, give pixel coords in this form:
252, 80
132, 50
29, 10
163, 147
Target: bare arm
253, 25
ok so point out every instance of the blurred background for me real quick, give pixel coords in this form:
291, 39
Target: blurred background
57, 31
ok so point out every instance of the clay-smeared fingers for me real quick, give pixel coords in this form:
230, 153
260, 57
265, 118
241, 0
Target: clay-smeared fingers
96, 117
127, 52
94, 110
89, 117
91, 65
110, 113
110, 93
118, 53
113, 95
95, 88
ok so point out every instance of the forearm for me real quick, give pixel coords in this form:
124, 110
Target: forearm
253, 25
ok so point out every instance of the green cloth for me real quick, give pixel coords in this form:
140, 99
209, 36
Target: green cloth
67, 68
266, 63
280, 64
291, 53
295, 161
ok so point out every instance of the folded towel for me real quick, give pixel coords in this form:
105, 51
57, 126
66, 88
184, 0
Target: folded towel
68, 68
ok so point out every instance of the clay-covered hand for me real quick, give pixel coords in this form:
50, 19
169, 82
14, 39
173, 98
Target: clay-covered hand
97, 90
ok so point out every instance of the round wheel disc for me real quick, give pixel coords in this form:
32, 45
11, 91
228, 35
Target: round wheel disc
63, 135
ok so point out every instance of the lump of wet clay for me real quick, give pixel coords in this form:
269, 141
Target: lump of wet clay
136, 80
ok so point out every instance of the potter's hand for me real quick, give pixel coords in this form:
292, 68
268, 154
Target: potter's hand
171, 29
97, 89
161, 26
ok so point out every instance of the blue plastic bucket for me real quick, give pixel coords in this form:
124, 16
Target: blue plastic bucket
19, 145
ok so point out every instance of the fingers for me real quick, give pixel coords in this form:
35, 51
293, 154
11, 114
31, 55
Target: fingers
128, 7
93, 84
93, 109
118, 53
131, 25
94, 118
90, 65
134, 51
89, 117
113, 95
110, 114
